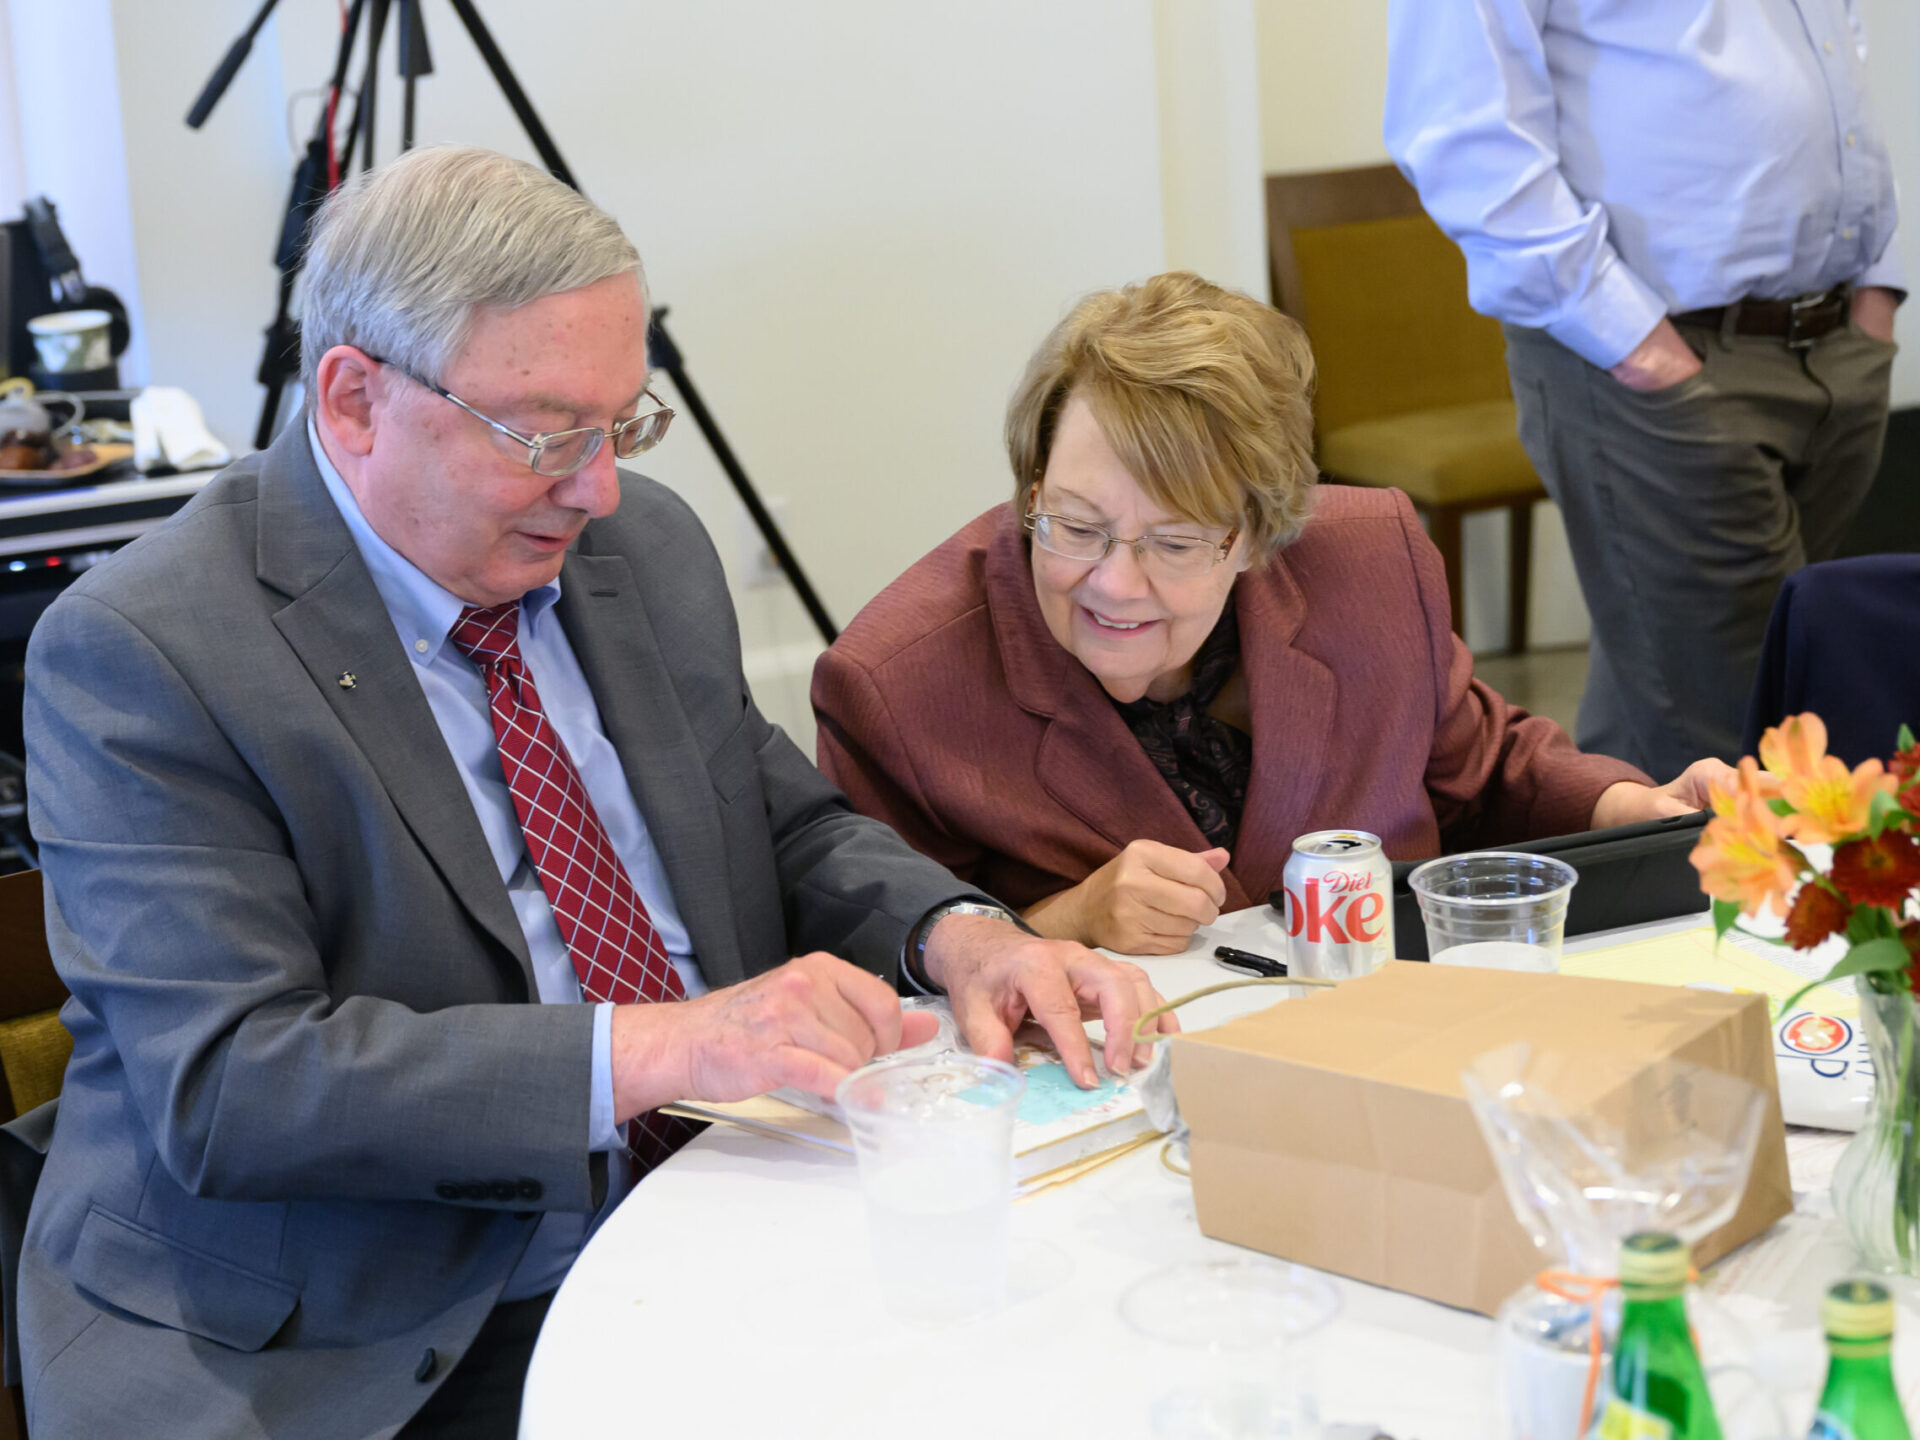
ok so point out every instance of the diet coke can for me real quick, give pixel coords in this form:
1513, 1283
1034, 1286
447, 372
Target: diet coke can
1339, 905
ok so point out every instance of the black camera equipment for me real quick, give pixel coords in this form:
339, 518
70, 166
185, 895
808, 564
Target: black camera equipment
322, 168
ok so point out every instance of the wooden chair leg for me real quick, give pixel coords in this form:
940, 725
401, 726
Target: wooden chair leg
1444, 530
1519, 573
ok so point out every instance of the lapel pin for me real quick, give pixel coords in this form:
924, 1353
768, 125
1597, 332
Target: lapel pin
348, 680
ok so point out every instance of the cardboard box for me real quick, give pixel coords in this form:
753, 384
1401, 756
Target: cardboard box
1333, 1130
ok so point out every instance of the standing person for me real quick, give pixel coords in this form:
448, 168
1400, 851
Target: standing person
353, 780
1684, 214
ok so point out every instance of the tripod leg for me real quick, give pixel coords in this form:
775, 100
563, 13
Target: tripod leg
667, 356
503, 76
365, 110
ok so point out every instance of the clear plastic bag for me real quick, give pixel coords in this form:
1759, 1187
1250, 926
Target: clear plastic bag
1661, 1147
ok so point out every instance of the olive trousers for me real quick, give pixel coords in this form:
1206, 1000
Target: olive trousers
1686, 507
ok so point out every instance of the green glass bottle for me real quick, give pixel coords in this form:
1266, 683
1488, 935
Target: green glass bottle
1658, 1391
1859, 1402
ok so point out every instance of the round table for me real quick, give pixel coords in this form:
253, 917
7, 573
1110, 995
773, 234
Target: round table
733, 1294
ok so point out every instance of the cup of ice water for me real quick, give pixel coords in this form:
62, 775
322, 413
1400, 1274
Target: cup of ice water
934, 1137
1495, 909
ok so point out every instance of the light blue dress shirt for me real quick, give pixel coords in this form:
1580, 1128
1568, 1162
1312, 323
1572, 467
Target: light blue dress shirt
423, 615
1603, 163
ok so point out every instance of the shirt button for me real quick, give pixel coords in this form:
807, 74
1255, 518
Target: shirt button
421, 645
1847, 234
1829, 47
424, 1370
1849, 137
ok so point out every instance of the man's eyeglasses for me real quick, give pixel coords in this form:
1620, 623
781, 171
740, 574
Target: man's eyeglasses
1175, 557
561, 452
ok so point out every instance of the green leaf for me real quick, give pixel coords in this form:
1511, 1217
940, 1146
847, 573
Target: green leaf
1869, 922
1884, 956
1725, 913
1883, 811
1780, 807
1904, 740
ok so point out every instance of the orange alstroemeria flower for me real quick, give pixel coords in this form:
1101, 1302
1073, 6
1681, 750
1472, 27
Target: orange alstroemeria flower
1830, 802
1749, 780
1740, 856
1795, 747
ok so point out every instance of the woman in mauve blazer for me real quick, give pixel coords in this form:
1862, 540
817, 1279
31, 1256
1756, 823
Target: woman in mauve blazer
1122, 739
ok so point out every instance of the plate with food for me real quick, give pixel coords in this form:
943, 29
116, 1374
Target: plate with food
38, 454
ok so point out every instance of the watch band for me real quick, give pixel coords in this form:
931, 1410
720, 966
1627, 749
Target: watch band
914, 959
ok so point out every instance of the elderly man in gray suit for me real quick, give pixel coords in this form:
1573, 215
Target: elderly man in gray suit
354, 780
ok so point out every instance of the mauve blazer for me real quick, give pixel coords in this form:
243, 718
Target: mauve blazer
948, 710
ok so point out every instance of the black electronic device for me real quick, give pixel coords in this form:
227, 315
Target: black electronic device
39, 275
1629, 874
324, 165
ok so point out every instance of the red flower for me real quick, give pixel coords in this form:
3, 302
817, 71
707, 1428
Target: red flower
1906, 764
1910, 937
1817, 913
1877, 872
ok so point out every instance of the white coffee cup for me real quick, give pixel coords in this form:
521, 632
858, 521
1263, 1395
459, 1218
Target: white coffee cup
72, 341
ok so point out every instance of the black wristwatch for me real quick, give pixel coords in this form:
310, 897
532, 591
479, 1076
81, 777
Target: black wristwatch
914, 958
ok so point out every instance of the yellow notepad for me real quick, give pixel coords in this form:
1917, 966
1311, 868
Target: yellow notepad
1690, 958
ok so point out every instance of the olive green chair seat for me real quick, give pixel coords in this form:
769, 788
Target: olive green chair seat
1412, 385
34, 1048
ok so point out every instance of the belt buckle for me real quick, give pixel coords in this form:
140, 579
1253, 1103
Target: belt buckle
1800, 312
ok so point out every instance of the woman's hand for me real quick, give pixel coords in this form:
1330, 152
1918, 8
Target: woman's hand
1630, 802
1147, 900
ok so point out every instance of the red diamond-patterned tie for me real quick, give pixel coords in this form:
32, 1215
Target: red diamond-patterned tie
616, 950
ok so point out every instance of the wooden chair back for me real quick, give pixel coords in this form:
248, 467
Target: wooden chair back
1382, 293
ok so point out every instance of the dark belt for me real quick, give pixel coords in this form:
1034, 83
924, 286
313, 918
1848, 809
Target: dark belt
1799, 321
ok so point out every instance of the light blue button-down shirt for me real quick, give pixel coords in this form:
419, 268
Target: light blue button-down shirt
1603, 163
423, 615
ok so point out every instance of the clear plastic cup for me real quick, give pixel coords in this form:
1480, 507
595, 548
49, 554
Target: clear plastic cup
1237, 1325
1495, 909
934, 1137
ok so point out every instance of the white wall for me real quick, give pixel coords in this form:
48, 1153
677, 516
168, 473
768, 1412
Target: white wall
1893, 61
1323, 86
863, 216
1210, 153
69, 144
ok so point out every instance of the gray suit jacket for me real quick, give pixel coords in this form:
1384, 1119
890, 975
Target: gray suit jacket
312, 1118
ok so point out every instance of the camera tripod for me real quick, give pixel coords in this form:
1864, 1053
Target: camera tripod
322, 168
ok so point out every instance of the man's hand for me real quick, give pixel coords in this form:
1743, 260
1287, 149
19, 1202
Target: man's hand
1629, 801
1873, 310
1661, 360
1147, 900
808, 1024
996, 974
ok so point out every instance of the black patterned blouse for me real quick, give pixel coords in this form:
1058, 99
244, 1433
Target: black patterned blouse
1206, 761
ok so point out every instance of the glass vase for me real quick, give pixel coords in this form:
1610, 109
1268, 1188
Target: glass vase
1876, 1186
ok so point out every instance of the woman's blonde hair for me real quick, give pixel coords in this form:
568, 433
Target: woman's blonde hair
1203, 393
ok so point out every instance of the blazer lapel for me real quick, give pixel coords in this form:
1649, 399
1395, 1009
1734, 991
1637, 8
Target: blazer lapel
1088, 760
601, 610
336, 622
1291, 694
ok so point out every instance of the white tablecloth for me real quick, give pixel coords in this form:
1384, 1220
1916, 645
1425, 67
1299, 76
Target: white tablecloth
733, 1294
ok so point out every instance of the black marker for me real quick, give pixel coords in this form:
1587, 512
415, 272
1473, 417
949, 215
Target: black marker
1250, 963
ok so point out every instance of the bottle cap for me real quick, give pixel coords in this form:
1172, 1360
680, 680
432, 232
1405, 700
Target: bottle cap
1654, 1258
1857, 1310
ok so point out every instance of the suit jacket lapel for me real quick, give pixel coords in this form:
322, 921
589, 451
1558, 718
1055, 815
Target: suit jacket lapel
612, 637
1291, 694
336, 622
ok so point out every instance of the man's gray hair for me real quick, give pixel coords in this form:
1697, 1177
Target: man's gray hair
401, 257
